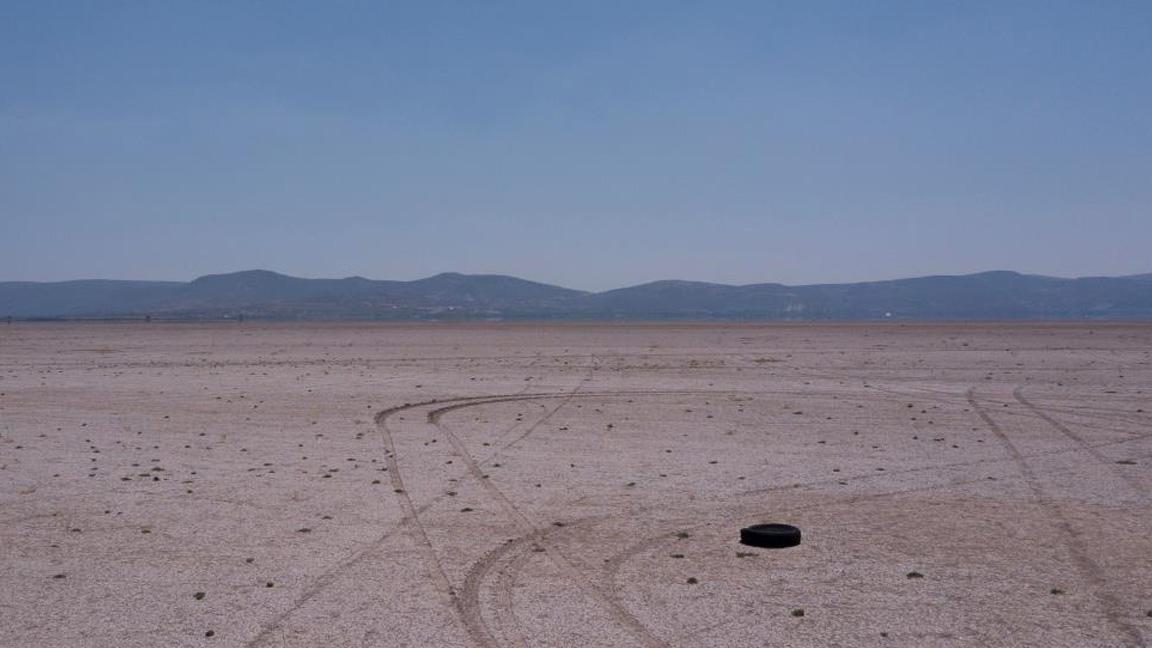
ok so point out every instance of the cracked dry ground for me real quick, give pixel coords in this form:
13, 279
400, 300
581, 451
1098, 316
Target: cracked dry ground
575, 484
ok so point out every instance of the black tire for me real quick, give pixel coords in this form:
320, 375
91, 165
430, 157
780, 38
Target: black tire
771, 536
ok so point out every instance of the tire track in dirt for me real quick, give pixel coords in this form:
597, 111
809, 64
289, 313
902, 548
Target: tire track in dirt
1088, 568
470, 607
615, 563
948, 398
318, 585
412, 519
435, 417
957, 464
1097, 420
508, 445
326, 579
527, 526
1136, 485
411, 516
505, 606
508, 559
1134, 420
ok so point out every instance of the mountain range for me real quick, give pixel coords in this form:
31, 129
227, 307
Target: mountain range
262, 294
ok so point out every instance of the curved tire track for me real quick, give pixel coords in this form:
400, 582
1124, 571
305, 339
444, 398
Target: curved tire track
616, 562
529, 528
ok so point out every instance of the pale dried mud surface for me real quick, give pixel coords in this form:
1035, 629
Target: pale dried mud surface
521, 485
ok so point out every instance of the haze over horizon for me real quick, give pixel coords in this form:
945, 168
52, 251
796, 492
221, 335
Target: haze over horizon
245, 271
592, 146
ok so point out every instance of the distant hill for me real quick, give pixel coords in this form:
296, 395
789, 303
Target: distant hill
270, 295
987, 295
264, 294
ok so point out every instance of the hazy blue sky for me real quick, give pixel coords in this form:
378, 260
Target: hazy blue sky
591, 144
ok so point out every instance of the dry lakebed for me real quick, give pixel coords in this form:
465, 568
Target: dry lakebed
575, 484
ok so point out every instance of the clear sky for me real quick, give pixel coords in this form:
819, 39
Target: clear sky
589, 144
